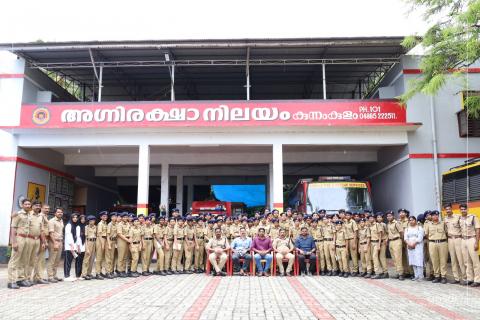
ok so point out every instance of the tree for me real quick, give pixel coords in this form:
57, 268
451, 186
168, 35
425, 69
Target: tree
451, 45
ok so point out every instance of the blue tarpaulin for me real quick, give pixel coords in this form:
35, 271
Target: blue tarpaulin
252, 195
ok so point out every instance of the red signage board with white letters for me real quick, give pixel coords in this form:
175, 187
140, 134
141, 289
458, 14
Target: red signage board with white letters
213, 114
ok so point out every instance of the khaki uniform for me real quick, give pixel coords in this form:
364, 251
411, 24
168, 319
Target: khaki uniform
90, 241
179, 237
110, 251
274, 232
17, 262
169, 252
375, 246
123, 228
234, 230
341, 249
55, 228
469, 225
351, 229
200, 234
318, 237
40, 267
212, 257
35, 230
329, 247
407, 269
383, 247
101, 247
295, 232
189, 246
135, 234
426, 255
280, 243
395, 244
436, 234
454, 233
285, 225
158, 242
364, 249
147, 249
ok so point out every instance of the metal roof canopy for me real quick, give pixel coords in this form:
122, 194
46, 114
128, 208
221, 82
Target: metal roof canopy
217, 69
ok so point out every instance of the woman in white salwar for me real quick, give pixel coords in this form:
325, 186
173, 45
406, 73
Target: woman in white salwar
413, 237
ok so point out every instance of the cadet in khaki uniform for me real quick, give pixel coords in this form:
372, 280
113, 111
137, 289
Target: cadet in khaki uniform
455, 245
35, 240
274, 231
376, 234
395, 240
123, 241
189, 244
18, 235
218, 247
169, 231
364, 248
383, 245
428, 261
351, 233
470, 226
341, 248
90, 241
101, 246
283, 247
41, 275
403, 220
436, 233
178, 239
111, 244
159, 243
329, 246
136, 244
318, 237
200, 234
147, 249
55, 244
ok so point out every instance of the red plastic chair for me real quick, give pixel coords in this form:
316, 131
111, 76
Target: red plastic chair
263, 261
285, 260
227, 264
241, 260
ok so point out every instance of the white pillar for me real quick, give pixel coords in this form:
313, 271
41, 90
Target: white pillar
270, 186
12, 77
8, 167
180, 193
277, 165
164, 187
143, 178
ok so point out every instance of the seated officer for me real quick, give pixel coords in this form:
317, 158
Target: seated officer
283, 248
217, 248
306, 250
241, 250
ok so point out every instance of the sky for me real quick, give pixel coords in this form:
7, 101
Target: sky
67, 20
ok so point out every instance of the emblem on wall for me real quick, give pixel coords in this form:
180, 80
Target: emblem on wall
41, 116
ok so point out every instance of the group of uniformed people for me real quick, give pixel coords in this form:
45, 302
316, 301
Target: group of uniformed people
342, 244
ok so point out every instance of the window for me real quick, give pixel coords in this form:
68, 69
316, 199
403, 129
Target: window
467, 126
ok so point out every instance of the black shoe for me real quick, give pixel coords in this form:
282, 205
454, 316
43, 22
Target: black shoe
395, 276
99, 277
87, 277
335, 273
52, 280
401, 277
368, 276
41, 281
222, 274
109, 276
385, 275
475, 284
430, 278
329, 273
377, 276
354, 274
454, 281
145, 273
436, 280
13, 285
443, 281
122, 275
345, 274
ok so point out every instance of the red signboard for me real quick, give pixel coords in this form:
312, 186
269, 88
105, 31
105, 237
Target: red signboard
213, 114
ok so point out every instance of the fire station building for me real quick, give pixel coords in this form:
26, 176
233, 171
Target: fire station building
88, 125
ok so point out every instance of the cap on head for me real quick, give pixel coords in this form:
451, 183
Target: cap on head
90, 218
